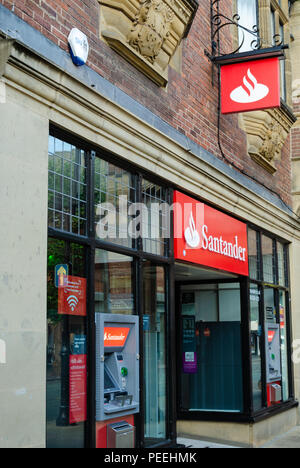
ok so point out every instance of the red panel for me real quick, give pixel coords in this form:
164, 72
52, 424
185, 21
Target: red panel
250, 85
77, 397
101, 429
207, 237
269, 393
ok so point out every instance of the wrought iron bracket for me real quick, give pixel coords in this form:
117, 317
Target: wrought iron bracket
219, 22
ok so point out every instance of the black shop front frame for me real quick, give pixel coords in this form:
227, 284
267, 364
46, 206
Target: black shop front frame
259, 308
121, 275
147, 269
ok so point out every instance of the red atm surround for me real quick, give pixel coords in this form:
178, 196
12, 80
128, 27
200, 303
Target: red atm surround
101, 429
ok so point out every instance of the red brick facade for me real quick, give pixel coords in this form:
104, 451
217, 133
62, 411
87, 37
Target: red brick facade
189, 103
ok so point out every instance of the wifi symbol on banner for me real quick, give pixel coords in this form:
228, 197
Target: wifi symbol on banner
72, 301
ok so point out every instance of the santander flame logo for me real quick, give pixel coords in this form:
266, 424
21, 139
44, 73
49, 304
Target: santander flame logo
191, 235
250, 91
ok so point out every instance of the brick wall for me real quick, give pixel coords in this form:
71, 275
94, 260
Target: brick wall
189, 103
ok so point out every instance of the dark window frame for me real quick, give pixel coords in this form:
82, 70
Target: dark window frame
138, 255
268, 411
168, 261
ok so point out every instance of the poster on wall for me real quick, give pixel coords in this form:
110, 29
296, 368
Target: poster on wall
72, 297
78, 388
189, 358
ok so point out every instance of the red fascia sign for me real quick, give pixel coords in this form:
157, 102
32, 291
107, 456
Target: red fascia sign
208, 237
250, 85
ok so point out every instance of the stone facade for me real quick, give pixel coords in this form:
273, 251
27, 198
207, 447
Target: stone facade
146, 33
125, 107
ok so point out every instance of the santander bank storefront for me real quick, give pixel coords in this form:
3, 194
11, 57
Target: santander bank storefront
206, 293
232, 316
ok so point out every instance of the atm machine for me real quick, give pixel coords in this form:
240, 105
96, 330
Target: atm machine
117, 379
273, 362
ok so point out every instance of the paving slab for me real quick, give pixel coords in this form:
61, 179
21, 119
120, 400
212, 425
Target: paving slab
194, 443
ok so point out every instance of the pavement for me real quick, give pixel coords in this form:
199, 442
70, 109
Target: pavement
200, 444
290, 439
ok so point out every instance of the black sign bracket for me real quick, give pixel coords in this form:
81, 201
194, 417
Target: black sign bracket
220, 21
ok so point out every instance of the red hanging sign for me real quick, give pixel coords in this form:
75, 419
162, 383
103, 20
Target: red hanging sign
207, 237
251, 85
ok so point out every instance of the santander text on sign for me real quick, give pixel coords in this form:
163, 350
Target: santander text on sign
209, 237
115, 336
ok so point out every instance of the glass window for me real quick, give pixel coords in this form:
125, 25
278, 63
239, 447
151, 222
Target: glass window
281, 256
282, 66
155, 363
254, 260
67, 199
283, 345
268, 252
273, 25
115, 194
256, 343
211, 376
247, 10
278, 35
270, 305
66, 346
156, 217
113, 283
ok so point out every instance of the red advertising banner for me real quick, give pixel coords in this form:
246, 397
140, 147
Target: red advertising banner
78, 387
249, 86
208, 237
72, 297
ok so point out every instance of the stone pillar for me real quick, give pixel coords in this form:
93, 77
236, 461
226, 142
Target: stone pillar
23, 269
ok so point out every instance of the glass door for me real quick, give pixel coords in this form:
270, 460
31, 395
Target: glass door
211, 367
155, 360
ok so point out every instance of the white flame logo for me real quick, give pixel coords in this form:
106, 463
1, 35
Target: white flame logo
191, 235
72, 301
250, 91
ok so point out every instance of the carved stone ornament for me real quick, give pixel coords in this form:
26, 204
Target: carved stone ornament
266, 132
147, 33
151, 28
273, 140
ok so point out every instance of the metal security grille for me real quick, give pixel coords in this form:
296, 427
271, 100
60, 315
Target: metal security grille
67, 189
